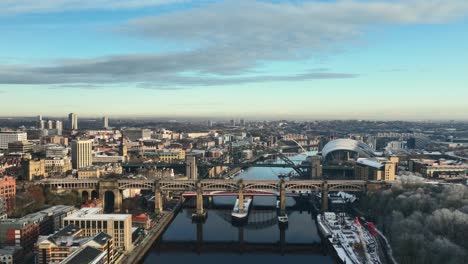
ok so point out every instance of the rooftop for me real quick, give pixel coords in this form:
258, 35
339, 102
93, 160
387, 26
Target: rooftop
93, 213
85, 255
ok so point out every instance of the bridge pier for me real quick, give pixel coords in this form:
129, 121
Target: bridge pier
241, 198
158, 202
200, 214
282, 198
282, 242
199, 237
324, 197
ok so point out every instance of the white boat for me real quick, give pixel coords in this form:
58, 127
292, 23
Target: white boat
351, 242
237, 214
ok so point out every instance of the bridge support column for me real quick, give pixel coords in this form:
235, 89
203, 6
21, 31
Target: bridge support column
282, 229
118, 196
200, 213
241, 198
199, 237
158, 199
324, 197
282, 198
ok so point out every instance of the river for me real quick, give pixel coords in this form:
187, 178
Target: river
260, 240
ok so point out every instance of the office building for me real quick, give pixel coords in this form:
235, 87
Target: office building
135, 134
81, 154
373, 169
105, 122
50, 124
9, 137
20, 147
58, 125
59, 246
35, 133
92, 221
55, 151
431, 168
33, 169
73, 121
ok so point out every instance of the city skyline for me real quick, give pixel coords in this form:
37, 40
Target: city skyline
397, 60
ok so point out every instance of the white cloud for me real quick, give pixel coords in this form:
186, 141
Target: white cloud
231, 39
12, 7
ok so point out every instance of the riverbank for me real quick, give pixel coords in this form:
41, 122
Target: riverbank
140, 250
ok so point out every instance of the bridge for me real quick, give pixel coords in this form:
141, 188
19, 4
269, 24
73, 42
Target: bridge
165, 188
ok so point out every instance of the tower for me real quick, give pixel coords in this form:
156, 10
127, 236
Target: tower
73, 121
105, 122
191, 169
316, 171
122, 147
81, 154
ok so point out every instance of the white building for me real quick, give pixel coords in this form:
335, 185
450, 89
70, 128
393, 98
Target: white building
92, 221
9, 137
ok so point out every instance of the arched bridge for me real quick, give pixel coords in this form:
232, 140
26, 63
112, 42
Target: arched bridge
203, 187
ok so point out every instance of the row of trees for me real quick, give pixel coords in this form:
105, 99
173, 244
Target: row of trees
425, 223
35, 198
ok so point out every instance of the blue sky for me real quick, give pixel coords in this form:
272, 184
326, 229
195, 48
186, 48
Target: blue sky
252, 59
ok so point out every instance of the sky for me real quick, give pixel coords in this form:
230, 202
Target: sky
254, 59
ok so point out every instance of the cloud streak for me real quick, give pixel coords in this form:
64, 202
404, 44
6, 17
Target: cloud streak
232, 40
15, 7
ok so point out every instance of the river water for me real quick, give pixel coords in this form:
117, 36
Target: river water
260, 240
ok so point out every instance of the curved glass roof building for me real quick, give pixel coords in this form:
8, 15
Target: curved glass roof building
345, 150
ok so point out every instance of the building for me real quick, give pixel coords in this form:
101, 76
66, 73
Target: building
92, 221
11, 255
9, 137
54, 151
135, 134
90, 172
316, 167
8, 192
57, 140
105, 122
73, 121
57, 166
368, 169
59, 246
430, 168
81, 154
50, 124
33, 169
396, 145
34, 133
58, 125
20, 147
345, 150
418, 142
141, 221
88, 255
19, 232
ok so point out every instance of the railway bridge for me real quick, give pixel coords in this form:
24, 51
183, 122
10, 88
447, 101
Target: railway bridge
161, 188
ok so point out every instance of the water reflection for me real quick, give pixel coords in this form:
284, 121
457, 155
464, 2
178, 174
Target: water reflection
260, 240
